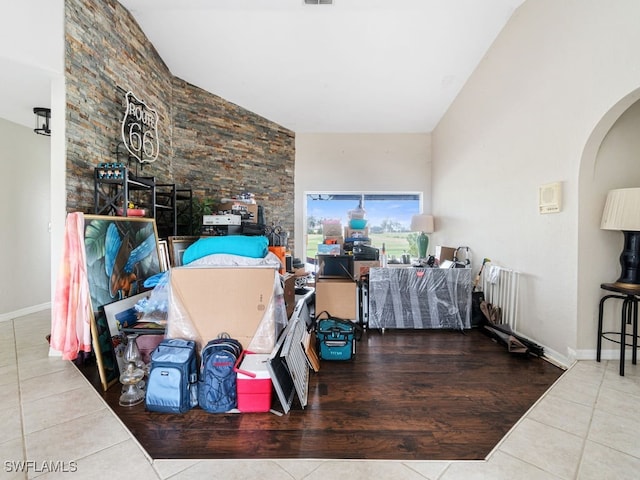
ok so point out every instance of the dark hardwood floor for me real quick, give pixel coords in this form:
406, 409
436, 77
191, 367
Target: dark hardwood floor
407, 395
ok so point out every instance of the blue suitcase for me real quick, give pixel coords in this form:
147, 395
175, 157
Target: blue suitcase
336, 339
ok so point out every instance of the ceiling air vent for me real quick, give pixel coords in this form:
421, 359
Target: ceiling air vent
318, 2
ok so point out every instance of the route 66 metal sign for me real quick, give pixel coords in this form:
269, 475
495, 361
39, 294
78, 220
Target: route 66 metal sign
140, 130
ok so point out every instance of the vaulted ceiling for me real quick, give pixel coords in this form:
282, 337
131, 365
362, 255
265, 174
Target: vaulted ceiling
353, 66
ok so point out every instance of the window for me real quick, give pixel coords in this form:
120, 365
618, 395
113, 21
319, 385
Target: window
388, 218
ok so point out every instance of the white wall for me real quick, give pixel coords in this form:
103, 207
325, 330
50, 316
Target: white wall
24, 207
359, 162
31, 52
524, 119
32, 64
615, 165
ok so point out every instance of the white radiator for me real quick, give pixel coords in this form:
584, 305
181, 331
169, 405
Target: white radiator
500, 286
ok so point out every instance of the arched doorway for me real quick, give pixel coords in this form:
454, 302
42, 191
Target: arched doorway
610, 160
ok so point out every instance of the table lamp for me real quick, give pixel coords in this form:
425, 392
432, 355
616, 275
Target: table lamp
424, 224
622, 212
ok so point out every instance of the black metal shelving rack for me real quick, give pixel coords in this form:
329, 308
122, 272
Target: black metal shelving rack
169, 205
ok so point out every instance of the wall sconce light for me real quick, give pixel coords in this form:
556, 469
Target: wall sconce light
43, 115
424, 224
622, 212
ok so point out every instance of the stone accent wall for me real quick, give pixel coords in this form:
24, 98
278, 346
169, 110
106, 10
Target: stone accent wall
107, 55
226, 150
207, 143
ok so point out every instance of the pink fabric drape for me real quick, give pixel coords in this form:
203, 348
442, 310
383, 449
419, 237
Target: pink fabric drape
70, 320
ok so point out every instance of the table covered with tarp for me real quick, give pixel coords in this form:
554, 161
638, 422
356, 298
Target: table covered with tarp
416, 298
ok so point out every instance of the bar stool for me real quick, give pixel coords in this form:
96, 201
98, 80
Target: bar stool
629, 316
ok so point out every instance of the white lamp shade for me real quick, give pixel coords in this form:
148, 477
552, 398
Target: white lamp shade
422, 223
622, 210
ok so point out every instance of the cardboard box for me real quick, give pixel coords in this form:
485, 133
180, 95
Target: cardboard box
444, 253
211, 301
361, 267
254, 386
338, 297
329, 249
331, 229
356, 232
289, 281
248, 211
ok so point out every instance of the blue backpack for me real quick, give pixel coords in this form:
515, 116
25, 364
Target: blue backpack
173, 378
217, 391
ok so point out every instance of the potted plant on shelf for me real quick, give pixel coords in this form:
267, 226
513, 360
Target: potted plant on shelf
201, 206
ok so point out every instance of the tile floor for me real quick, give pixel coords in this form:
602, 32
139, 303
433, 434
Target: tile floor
585, 427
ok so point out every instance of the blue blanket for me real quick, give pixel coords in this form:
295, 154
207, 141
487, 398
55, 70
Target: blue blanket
246, 246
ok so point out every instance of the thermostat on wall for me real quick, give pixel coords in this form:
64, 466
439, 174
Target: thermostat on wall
550, 198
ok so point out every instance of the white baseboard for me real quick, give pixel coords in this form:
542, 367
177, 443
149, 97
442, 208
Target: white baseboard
24, 311
562, 361
605, 354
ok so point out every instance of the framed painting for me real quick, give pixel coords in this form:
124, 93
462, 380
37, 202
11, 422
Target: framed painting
177, 246
105, 352
121, 253
122, 314
163, 255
